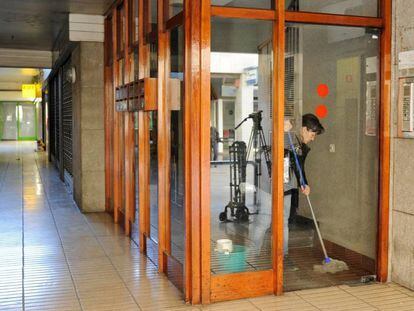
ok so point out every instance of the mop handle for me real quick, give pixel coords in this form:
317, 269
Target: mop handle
317, 229
302, 182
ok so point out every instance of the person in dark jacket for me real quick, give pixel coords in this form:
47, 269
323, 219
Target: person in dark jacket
311, 127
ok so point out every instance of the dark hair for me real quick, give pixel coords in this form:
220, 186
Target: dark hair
311, 122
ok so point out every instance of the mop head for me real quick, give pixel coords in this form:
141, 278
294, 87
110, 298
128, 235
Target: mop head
330, 265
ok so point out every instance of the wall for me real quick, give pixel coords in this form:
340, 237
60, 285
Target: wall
88, 131
402, 199
12, 96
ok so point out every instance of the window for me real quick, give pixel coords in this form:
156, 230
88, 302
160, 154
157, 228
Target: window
175, 7
121, 27
256, 4
108, 41
344, 7
133, 17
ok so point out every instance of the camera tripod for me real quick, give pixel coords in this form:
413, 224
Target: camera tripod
239, 158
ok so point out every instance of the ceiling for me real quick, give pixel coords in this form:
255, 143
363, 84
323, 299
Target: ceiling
11, 79
35, 24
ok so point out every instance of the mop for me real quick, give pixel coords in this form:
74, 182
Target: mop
328, 264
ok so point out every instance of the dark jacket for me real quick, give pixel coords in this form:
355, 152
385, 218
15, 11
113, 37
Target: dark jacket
302, 151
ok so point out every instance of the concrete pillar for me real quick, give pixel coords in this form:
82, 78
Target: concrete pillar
402, 239
88, 127
243, 107
220, 123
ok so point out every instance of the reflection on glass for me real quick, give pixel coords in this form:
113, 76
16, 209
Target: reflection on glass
154, 59
121, 71
331, 74
176, 106
175, 7
122, 164
153, 176
240, 137
257, 4
108, 41
121, 30
345, 7
134, 22
153, 40
135, 225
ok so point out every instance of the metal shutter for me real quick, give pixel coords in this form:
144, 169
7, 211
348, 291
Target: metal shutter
51, 121
292, 50
67, 120
56, 94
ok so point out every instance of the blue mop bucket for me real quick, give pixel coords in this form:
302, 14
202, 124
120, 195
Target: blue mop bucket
234, 261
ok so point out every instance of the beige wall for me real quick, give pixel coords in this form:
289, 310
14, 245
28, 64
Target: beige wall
88, 131
402, 198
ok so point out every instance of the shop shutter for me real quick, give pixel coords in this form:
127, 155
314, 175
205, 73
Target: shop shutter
51, 121
292, 50
57, 117
67, 120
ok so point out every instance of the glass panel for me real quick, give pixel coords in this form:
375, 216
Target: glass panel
9, 118
331, 81
121, 31
153, 39
240, 136
153, 176
27, 121
345, 7
122, 162
136, 64
176, 106
135, 224
133, 21
39, 117
108, 41
256, 4
175, 7
121, 72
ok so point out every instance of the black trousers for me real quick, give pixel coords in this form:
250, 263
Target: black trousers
294, 204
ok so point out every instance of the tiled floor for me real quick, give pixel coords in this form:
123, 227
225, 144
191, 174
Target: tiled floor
52, 257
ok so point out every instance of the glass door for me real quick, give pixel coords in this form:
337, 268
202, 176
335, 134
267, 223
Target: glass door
27, 122
176, 214
240, 144
135, 223
331, 79
152, 236
9, 121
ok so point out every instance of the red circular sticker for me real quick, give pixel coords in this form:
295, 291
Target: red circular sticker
323, 90
321, 111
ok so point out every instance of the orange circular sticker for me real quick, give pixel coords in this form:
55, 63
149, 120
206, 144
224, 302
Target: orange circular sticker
321, 111
323, 90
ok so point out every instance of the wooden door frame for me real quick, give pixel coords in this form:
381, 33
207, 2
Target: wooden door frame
163, 135
384, 133
129, 133
176, 271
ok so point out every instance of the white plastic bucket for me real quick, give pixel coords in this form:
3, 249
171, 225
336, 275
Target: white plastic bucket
224, 246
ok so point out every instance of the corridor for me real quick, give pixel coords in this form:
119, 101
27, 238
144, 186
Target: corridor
52, 257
